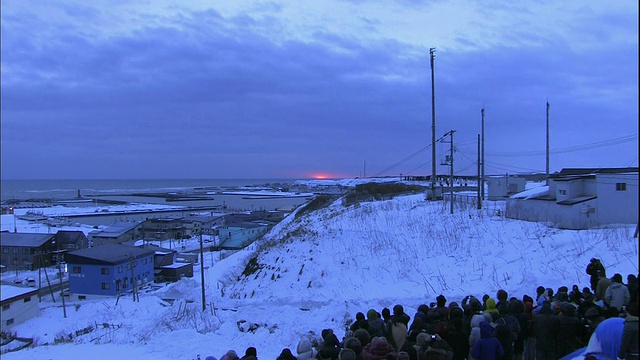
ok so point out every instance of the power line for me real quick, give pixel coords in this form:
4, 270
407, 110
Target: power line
589, 146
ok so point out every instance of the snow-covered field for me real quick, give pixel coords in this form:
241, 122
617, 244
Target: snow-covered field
315, 271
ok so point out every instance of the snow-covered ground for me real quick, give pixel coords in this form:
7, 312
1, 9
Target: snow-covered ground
315, 271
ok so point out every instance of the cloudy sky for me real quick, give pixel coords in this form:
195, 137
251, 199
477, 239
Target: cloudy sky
294, 89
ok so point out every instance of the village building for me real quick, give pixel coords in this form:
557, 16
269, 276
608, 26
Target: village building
239, 235
26, 251
115, 234
108, 270
580, 199
19, 304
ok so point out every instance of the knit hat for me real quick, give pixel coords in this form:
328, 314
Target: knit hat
231, 355
403, 355
210, 358
353, 344
347, 354
421, 338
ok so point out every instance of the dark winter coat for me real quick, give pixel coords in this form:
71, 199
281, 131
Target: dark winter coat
488, 347
458, 339
629, 344
570, 334
546, 327
592, 269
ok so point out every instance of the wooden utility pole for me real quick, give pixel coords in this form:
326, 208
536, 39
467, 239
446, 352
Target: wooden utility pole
202, 273
58, 260
432, 54
482, 177
133, 279
547, 142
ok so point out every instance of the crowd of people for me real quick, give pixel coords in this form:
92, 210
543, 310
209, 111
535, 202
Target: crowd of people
552, 325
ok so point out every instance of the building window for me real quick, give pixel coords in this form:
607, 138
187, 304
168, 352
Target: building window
16, 251
104, 271
9, 322
27, 299
105, 286
119, 269
5, 250
118, 285
76, 270
6, 307
562, 192
621, 186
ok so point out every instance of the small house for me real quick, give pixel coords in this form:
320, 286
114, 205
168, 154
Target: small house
19, 304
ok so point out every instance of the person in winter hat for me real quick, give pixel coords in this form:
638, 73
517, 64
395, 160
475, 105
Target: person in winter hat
491, 306
286, 355
378, 349
230, 355
330, 347
305, 350
488, 347
603, 284
250, 354
629, 344
210, 358
376, 325
347, 354
353, 344
363, 336
593, 267
360, 323
617, 295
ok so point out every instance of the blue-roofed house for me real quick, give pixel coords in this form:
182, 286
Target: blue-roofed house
108, 270
115, 234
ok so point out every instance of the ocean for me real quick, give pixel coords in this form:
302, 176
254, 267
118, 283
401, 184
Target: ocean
124, 190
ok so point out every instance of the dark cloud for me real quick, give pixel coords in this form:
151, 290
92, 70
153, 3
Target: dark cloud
201, 95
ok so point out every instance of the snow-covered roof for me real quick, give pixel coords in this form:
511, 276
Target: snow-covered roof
12, 291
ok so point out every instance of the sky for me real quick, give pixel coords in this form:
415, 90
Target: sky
298, 89
318, 270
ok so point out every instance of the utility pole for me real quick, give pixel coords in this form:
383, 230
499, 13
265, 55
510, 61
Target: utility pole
547, 182
133, 279
202, 273
432, 52
450, 161
451, 178
479, 182
58, 260
482, 177
365, 169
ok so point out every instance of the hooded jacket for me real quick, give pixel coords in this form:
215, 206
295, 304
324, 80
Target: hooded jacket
617, 295
488, 347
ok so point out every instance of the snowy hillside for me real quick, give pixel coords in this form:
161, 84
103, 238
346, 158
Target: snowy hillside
316, 270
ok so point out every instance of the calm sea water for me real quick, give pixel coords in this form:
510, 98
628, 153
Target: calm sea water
68, 189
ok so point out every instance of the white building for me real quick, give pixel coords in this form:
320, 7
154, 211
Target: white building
581, 199
19, 304
501, 187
